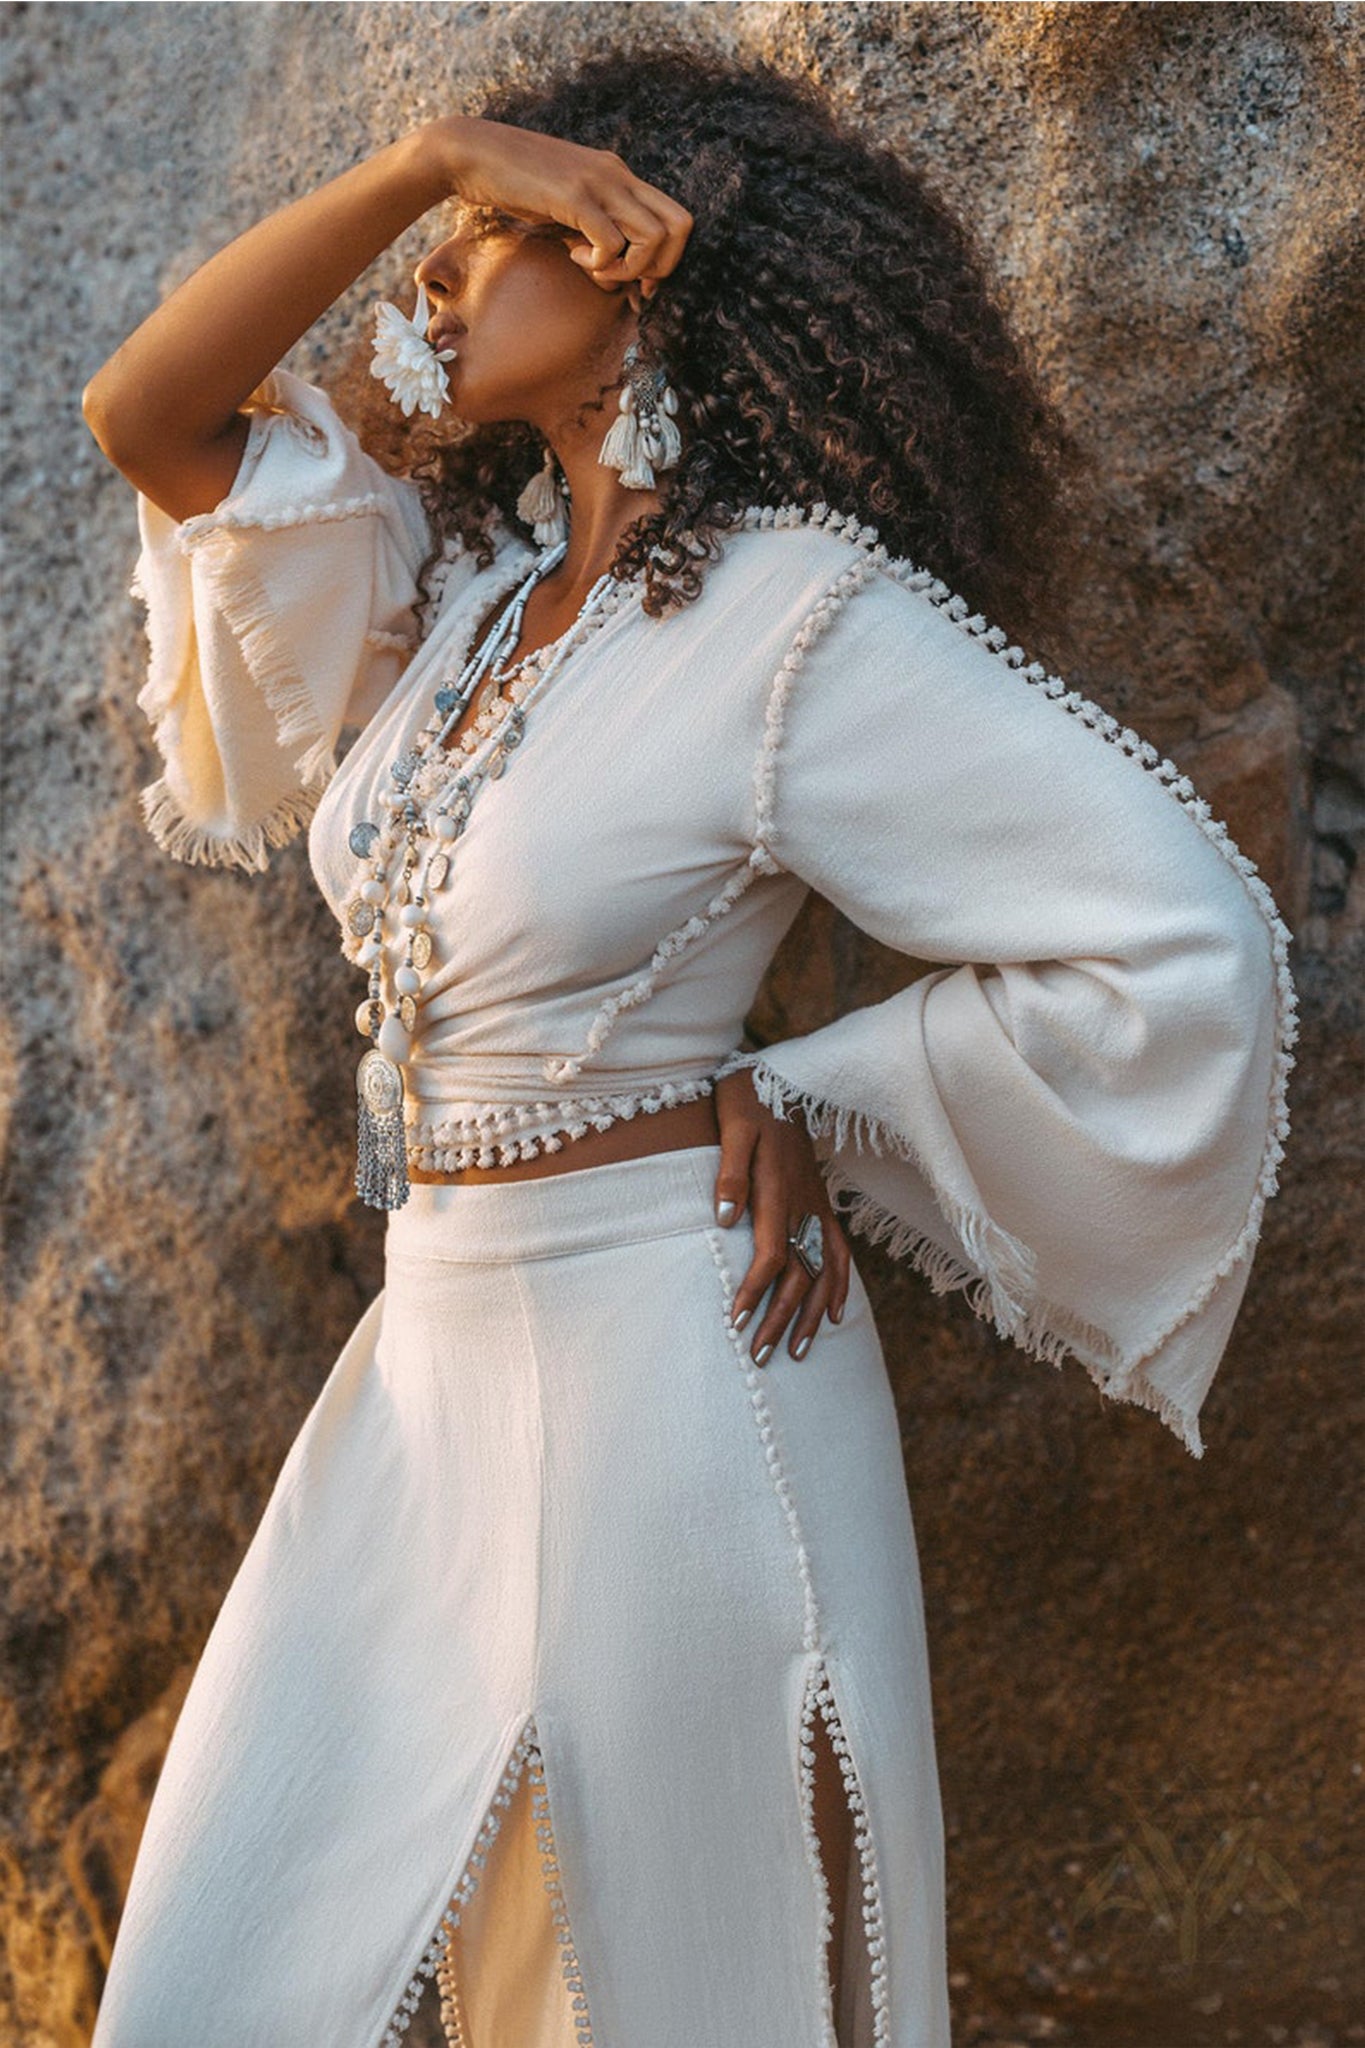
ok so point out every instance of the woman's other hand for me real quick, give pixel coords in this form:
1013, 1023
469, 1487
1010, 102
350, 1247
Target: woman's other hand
541, 178
770, 1164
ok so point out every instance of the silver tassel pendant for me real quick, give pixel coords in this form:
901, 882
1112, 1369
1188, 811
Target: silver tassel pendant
381, 1167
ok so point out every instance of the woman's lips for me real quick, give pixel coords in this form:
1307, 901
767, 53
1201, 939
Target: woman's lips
443, 340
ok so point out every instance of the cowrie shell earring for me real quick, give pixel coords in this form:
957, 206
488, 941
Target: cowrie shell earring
644, 436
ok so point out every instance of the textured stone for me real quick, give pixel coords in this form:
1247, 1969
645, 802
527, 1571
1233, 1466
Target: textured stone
1121, 1637
1253, 774
102, 1840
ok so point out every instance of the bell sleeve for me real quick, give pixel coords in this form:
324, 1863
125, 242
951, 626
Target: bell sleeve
273, 622
1076, 1114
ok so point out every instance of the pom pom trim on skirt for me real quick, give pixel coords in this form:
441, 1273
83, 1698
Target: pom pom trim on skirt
546, 1520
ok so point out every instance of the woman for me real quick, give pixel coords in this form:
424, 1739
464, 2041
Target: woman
578, 1662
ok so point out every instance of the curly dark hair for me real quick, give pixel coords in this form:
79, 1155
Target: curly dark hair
829, 331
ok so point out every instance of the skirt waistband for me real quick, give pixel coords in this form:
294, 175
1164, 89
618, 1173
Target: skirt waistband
657, 1194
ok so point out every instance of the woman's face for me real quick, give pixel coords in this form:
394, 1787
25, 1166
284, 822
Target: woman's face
534, 338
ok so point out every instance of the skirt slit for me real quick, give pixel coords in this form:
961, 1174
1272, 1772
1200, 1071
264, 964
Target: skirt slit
501, 1959
864, 2012
549, 1545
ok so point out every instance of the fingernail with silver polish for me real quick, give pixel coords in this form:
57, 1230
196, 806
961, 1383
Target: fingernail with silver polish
761, 1354
742, 1318
802, 1348
726, 1211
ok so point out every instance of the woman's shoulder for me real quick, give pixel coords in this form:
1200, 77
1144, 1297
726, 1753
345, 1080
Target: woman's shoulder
787, 541
821, 545
791, 534
838, 555
804, 565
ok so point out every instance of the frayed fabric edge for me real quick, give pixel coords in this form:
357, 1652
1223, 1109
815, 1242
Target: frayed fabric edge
247, 612
158, 691
1001, 1266
195, 844
250, 616
994, 1271
1047, 1334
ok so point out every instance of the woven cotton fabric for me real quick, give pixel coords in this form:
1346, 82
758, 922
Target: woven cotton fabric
1076, 1118
545, 1489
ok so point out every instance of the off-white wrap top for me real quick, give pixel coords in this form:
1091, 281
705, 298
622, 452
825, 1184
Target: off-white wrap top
1076, 1117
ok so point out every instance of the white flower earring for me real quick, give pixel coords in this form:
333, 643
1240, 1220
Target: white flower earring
644, 436
544, 504
404, 360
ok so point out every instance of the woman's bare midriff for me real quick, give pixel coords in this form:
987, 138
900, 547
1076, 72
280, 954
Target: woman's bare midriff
665, 1130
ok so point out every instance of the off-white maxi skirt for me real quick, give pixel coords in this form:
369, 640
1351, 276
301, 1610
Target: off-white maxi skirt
549, 1542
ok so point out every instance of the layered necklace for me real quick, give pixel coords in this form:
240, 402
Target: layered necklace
428, 809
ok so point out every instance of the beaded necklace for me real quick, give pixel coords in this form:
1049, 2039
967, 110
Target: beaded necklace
428, 803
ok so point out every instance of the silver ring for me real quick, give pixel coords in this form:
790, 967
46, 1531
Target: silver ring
808, 1242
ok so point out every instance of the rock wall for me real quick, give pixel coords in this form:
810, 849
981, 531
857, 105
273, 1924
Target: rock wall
1138, 1659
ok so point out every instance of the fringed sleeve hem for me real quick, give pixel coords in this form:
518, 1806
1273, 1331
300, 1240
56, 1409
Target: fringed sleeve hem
963, 1251
1077, 1119
274, 622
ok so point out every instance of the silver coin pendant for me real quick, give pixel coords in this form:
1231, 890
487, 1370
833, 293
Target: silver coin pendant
379, 1083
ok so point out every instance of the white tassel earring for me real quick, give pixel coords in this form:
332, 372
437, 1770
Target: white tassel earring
644, 435
544, 506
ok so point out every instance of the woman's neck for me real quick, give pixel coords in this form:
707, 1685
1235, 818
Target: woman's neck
602, 508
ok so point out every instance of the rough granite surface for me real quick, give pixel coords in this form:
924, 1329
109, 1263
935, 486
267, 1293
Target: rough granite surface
1139, 1659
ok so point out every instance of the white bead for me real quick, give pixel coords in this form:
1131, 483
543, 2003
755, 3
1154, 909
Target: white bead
412, 915
373, 892
445, 827
407, 981
393, 1040
369, 952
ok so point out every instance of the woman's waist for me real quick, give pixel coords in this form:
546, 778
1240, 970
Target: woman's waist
682, 1126
495, 1112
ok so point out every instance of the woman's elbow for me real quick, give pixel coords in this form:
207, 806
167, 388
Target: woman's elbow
107, 412
182, 477
95, 412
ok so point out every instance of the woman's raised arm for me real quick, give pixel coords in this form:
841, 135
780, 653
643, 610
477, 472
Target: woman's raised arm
165, 407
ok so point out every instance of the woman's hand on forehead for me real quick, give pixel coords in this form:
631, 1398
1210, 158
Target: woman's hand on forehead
629, 230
